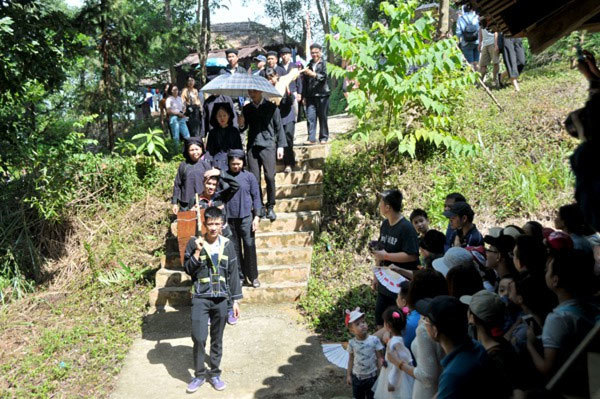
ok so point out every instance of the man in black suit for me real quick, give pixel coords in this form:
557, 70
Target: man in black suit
315, 92
266, 141
232, 68
272, 63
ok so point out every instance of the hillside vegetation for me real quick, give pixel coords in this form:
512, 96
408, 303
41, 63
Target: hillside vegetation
519, 172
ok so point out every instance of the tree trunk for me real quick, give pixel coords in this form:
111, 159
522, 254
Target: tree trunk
204, 39
324, 16
283, 32
444, 19
169, 21
106, 84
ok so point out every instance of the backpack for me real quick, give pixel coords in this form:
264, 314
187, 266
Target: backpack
471, 30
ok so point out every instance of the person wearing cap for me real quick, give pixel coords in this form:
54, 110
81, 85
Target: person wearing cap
455, 256
266, 140
569, 275
286, 63
295, 87
486, 316
464, 233
243, 210
400, 247
366, 356
315, 92
272, 63
261, 61
233, 68
448, 202
288, 119
499, 251
468, 372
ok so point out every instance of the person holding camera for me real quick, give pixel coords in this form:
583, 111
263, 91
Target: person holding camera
193, 105
177, 119
398, 244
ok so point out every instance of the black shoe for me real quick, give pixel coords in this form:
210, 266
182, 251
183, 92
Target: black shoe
256, 283
271, 214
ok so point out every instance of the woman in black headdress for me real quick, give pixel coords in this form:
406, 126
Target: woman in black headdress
190, 175
223, 137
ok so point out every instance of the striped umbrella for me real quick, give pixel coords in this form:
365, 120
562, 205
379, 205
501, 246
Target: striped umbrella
238, 84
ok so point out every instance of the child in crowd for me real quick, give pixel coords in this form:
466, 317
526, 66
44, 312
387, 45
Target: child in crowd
366, 356
211, 197
211, 261
431, 247
189, 180
420, 221
243, 210
223, 137
393, 383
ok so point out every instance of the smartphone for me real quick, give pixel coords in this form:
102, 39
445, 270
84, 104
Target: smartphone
537, 330
580, 56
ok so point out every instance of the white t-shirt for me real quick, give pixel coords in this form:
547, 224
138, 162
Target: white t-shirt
213, 250
365, 354
487, 38
175, 104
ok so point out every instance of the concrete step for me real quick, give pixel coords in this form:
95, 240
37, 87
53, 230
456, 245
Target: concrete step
311, 151
299, 177
170, 297
282, 273
284, 239
274, 292
175, 297
291, 221
298, 190
298, 204
303, 164
283, 256
267, 274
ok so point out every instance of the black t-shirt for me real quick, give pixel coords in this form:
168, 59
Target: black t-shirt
401, 237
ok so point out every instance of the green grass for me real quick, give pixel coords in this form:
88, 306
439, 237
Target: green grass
519, 172
70, 337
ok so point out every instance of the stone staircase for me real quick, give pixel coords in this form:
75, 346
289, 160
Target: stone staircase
284, 247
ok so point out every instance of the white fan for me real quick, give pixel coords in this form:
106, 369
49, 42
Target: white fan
389, 278
336, 354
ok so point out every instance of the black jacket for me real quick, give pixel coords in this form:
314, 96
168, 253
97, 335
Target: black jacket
189, 181
280, 71
220, 280
264, 125
220, 141
317, 86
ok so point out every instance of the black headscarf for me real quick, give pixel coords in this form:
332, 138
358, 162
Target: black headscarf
213, 115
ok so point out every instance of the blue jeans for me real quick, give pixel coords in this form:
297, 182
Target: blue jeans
316, 108
471, 52
178, 126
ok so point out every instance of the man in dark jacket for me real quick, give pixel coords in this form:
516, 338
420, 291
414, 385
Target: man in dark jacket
212, 263
272, 63
232, 68
266, 140
295, 90
315, 92
286, 110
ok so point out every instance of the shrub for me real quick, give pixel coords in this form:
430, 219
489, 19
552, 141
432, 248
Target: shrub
409, 85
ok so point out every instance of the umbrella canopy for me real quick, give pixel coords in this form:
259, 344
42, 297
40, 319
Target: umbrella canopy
238, 84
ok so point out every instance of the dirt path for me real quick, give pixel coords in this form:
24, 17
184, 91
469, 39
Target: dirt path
337, 124
268, 354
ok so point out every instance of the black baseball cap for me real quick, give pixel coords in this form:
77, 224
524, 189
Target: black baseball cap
446, 312
459, 209
503, 243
